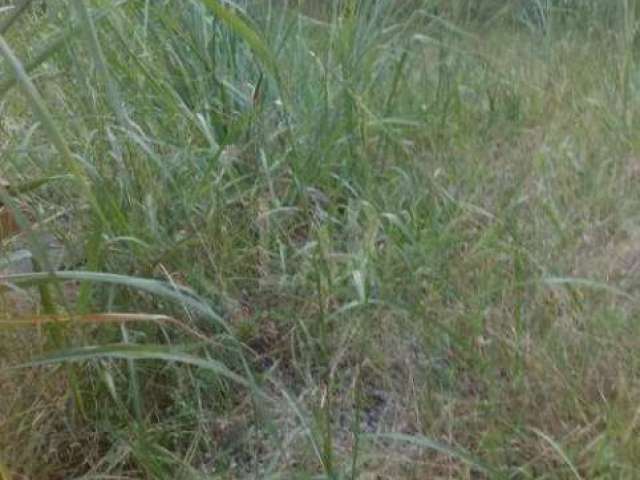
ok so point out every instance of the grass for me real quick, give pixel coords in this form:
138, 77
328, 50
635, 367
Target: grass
391, 239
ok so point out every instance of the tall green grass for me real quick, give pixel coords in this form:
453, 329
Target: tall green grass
390, 239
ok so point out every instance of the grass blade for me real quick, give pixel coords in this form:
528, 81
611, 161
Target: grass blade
241, 28
161, 289
5, 474
41, 112
35, 100
50, 47
100, 319
15, 14
439, 447
136, 352
559, 451
95, 48
585, 282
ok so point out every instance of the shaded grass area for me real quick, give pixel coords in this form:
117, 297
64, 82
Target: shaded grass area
381, 241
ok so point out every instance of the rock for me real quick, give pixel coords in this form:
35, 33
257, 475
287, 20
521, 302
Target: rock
19, 261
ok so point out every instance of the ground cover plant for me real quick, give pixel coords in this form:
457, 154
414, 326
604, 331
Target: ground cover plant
348, 239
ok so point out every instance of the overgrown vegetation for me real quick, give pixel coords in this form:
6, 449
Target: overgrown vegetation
343, 239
